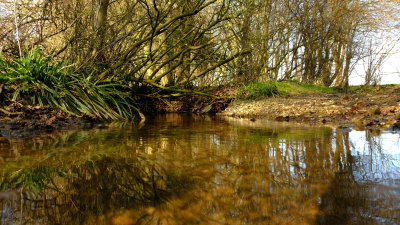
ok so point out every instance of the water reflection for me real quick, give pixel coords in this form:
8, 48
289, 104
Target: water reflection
201, 170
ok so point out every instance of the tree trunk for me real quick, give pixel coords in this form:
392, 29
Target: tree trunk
100, 27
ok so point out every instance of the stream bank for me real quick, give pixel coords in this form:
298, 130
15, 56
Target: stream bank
23, 121
19, 121
378, 110
372, 111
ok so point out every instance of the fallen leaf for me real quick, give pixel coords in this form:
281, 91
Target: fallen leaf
51, 120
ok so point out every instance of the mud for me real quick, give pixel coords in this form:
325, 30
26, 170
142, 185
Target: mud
190, 103
18, 121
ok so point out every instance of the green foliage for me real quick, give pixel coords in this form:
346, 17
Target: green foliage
34, 179
2, 64
258, 90
37, 79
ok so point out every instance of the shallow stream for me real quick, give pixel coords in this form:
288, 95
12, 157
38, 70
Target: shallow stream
177, 169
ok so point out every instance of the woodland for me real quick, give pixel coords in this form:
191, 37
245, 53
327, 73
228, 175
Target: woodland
104, 58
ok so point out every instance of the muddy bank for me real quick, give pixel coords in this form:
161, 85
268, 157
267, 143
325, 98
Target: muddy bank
189, 103
18, 121
24, 121
371, 111
380, 110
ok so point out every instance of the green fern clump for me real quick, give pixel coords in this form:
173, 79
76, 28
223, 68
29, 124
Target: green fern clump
37, 79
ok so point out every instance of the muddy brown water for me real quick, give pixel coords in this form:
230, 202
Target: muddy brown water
178, 169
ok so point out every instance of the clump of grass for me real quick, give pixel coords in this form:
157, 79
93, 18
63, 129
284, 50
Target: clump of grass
37, 79
258, 90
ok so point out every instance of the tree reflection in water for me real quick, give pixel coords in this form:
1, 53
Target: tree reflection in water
195, 170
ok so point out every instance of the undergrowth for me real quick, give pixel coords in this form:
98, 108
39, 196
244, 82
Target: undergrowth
37, 79
258, 90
